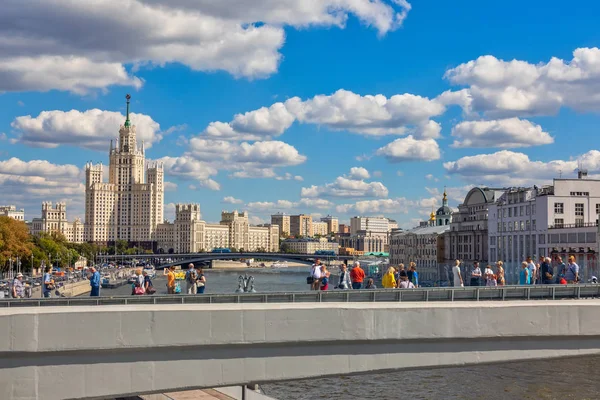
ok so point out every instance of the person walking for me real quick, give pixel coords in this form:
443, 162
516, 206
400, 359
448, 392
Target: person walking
572, 272
561, 269
48, 284
169, 272
324, 278
191, 278
389, 281
532, 270
524, 277
94, 282
546, 272
315, 274
476, 274
489, 276
18, 289
500, 273
148, 286
456, 275
200, 282
413, 275
357, 276
344, 281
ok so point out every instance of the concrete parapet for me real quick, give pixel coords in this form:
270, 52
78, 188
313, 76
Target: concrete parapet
104, 351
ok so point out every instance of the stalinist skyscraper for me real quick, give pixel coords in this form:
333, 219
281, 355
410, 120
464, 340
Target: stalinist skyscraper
130, 205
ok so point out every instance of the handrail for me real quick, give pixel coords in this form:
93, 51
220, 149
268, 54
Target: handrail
469, 293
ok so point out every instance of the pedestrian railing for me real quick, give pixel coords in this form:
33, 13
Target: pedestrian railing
500, 293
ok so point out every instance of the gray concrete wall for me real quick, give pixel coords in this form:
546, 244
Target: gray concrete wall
103, 351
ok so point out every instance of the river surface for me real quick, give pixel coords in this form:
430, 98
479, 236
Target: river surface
565, 379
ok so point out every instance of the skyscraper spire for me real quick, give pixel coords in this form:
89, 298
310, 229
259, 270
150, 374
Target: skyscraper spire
127, 122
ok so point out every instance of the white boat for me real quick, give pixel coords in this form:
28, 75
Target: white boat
279, 264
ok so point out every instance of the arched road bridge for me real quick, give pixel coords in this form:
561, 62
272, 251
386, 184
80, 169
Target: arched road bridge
167, 260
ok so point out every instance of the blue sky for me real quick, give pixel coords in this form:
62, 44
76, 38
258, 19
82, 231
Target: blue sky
414, 97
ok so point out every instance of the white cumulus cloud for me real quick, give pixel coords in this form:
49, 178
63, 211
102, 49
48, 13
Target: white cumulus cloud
351, 185
410, 149
98, 40
498, 88
507, 168
91, 129
231, 200
373, 115
503, 133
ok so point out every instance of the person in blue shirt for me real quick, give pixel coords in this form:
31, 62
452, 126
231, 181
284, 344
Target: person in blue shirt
415, 275
524, 278
48, 282
95, 282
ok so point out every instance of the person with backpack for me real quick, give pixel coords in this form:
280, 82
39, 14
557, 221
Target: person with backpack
191, 280
561, 268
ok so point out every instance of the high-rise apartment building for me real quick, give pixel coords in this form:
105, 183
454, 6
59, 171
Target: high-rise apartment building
369, 224
301, 225
130, 205
319, 228
283, 221
12, 212
333, 224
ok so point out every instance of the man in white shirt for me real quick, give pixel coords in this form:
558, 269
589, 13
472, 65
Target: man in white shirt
532, 270
316, 274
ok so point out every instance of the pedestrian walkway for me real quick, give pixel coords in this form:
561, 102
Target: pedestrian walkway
206, 394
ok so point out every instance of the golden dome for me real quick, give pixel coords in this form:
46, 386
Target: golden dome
432, 216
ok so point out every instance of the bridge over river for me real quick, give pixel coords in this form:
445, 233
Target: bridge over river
113, 347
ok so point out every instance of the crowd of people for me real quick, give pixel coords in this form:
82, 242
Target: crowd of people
354, 278
195, 280
541, 273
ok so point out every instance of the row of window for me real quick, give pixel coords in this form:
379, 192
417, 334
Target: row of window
559, 208
517, 226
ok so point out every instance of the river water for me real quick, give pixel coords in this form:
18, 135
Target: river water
563, 379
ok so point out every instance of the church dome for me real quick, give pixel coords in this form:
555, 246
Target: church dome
444, 210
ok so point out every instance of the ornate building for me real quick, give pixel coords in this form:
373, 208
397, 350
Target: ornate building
54, 219
443, 216
190, 234
130, 205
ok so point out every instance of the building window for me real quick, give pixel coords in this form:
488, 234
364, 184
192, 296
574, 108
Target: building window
579, 209
533, 227
510, 212
578, 221
533, 209
559, 222
521, 210
559, 208
542, 239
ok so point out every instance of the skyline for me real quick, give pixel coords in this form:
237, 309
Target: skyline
336, 107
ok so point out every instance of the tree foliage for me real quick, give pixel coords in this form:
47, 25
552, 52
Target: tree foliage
15, 241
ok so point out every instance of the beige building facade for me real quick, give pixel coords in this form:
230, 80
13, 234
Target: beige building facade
12, 212
190, 234
309, 245
54, 219
283, 221
333, 224
130, 205
301, 225
319, 228
423, 245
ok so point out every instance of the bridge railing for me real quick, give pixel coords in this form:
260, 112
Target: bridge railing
501, 293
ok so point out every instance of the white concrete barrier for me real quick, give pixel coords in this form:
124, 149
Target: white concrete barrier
113, 351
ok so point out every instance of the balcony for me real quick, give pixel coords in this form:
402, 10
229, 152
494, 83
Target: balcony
576, 225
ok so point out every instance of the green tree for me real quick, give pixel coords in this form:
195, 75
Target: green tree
15, 241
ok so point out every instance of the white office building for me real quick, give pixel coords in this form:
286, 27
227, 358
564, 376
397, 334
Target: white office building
556, 220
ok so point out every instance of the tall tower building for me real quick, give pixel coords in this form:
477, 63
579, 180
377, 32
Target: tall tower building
130, 205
